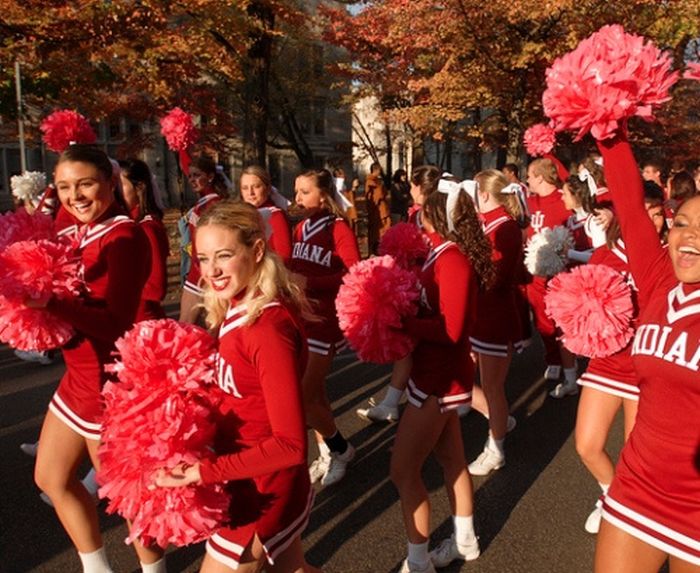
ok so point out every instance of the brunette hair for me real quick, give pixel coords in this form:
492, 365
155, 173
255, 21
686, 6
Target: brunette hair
427, 178
579, 189
271, 281
323, 179
140, 176
595, 170
207, 165
683, 186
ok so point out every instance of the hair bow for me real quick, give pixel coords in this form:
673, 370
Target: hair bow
585, 175
517, 190
452, 189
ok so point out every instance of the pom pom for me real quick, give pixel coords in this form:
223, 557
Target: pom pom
546, 251
64, 127
28, 186
593, 306
406, 244
375, 295
610, 77
178, 129
159, 414
21, 226
539, 139
692, 72
36, 270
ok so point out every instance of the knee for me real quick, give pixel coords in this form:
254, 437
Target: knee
402, 475
587, 449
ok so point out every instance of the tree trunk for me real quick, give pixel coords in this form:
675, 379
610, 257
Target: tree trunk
388, 172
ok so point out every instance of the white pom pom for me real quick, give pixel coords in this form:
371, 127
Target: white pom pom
28, 186
545, 253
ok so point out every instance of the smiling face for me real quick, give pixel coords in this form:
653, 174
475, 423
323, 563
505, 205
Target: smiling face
684, 242
253, 190
227, 265
84, 191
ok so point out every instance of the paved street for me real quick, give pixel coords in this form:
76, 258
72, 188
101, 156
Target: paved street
529, 515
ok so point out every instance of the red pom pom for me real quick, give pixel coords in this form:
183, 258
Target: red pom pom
593, 306
610, 77
158, 415
539, 139
21, 226
64, 127
406, 244
692, 72
178, 130
375, 295
36, 270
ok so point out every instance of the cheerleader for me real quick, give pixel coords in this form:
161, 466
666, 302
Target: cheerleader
114, 253
579, 195
498, 330
547, 210
209, 186
140, 199
257, 190
260, 443
441, 376
324, 249
652, 510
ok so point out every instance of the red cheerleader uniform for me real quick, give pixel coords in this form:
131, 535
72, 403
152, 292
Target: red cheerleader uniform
115, 257
193, 215
655, 495
324, 249
277, 230
498, 314
545, 212
442, 365
614, 374
261, 433
157, 283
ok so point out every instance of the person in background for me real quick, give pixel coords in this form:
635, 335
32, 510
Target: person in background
400, 196
377, 205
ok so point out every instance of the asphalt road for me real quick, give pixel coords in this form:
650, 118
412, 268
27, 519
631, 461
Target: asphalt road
529, 515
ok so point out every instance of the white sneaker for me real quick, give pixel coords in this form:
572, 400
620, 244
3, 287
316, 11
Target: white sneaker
510, 424
32, 356
593, 521
318, 468
488, 461
448, 550
410, 567
30, 449
337, 466
552, 372
378, 413
564, 389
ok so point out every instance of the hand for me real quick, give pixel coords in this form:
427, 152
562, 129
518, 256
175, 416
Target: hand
603, 217
181, 475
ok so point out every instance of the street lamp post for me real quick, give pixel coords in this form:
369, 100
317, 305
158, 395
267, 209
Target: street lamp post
20, 116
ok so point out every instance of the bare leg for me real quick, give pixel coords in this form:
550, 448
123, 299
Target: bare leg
316, 405
619, 552
292, 560
449, 452
630, 409
494, 370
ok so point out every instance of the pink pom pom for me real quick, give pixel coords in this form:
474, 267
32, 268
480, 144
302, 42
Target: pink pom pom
539, 139
158, 415
36, 270
692, 72
64, 127
375, 295
610, 77
178, 129
21, 226
593, 306
406, 244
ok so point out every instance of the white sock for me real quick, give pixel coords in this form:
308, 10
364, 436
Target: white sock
323, 449
157, 567
604, 487
570, 375
495, 445
464, 529
418, 553
95, 562
90, 482
392, 397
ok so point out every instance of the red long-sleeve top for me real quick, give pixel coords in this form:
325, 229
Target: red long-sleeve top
277, 229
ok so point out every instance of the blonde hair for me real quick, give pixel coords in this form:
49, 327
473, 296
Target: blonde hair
271, 281
493, 182
547, 169
259, 172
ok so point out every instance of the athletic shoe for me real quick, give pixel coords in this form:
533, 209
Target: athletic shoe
337, 466
30, 449
487, 462
410, 567
32, 356
449, 550
378, 413
593, 522
564, 389
510, 424
552, 372
318, 468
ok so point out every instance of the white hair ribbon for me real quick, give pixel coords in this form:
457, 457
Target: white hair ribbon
598, 161
278, 199
585, 175
343, 202
452, 189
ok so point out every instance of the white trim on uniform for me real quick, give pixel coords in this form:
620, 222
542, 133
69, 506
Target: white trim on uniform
324, 348
493, 225
279, 542
235, 318
89, 430
435, 253
101, 229
609, 386
309, 229
226, 545
193, 288
488, 348
676, 295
